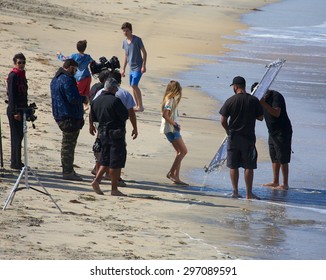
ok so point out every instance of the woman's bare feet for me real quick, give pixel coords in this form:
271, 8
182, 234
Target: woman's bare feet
175, 180
96, 187
169, 176
179, 182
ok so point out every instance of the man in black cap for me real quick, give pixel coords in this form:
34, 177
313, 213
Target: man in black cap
111, 115
238, 117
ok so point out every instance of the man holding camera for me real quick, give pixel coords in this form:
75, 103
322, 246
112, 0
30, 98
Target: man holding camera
67, 110
17, 99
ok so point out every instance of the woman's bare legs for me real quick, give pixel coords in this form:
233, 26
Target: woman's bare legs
181, 151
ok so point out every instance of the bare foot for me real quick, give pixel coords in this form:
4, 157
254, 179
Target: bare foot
169, 176
253, 196
96, 187
139, 109
271, 185
179, 182
117, 193
282, 187
236, 195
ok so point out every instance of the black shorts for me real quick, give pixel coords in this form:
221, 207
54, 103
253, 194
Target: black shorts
113, 153
280, 147
241, 152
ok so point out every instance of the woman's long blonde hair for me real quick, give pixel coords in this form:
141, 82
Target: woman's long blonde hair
173, 90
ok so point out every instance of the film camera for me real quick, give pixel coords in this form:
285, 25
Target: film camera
104, 64
30, 112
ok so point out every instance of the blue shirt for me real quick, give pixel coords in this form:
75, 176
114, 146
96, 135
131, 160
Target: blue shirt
83, 61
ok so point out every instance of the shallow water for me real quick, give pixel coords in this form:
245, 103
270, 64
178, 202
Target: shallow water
296, 31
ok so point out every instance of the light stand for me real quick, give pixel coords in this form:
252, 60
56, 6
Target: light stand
1, 153
24, 172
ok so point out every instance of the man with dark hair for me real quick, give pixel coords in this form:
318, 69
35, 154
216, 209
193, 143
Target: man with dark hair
238, 117
136, 57
17, 98
67, 110
280, 136
111, 115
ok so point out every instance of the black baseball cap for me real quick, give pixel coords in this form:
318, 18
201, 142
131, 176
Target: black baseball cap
238, 80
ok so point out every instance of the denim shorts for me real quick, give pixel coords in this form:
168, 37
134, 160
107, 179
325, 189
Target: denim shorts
134, 78
171, 136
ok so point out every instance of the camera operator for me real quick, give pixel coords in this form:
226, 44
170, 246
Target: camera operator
17, 98
67, 110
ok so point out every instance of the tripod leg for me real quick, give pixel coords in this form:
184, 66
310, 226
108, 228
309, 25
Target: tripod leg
13, 191
48, 194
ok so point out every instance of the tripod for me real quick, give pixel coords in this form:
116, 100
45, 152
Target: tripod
25, 171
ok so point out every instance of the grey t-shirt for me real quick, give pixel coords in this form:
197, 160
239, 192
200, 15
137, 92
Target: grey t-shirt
133, 51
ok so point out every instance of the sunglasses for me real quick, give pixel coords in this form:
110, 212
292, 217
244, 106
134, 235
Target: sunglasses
21, 62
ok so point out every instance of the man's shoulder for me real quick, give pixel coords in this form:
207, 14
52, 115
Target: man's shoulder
231, 98
11, 74
66, 77
123, 91
103, 96
275, 95
252, 97
137, 39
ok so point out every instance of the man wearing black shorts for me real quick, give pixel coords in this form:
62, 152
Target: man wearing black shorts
111, 115
238, 117
280, 137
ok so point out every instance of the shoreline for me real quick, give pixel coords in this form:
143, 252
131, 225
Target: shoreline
156, 220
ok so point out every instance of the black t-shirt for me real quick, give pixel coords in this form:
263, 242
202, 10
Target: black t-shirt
282, 123
109, 111
243, 110
94, 89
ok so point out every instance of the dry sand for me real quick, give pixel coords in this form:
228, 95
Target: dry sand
157, 220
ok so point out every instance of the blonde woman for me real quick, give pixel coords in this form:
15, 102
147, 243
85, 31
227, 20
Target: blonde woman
171, 128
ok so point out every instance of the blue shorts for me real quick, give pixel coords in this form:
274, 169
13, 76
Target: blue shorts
134, 78
171, 136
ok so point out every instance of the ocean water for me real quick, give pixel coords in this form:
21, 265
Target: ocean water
294, 30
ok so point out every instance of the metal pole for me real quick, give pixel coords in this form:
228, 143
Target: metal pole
1, 153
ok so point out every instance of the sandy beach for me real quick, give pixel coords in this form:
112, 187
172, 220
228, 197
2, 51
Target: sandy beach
157, 220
